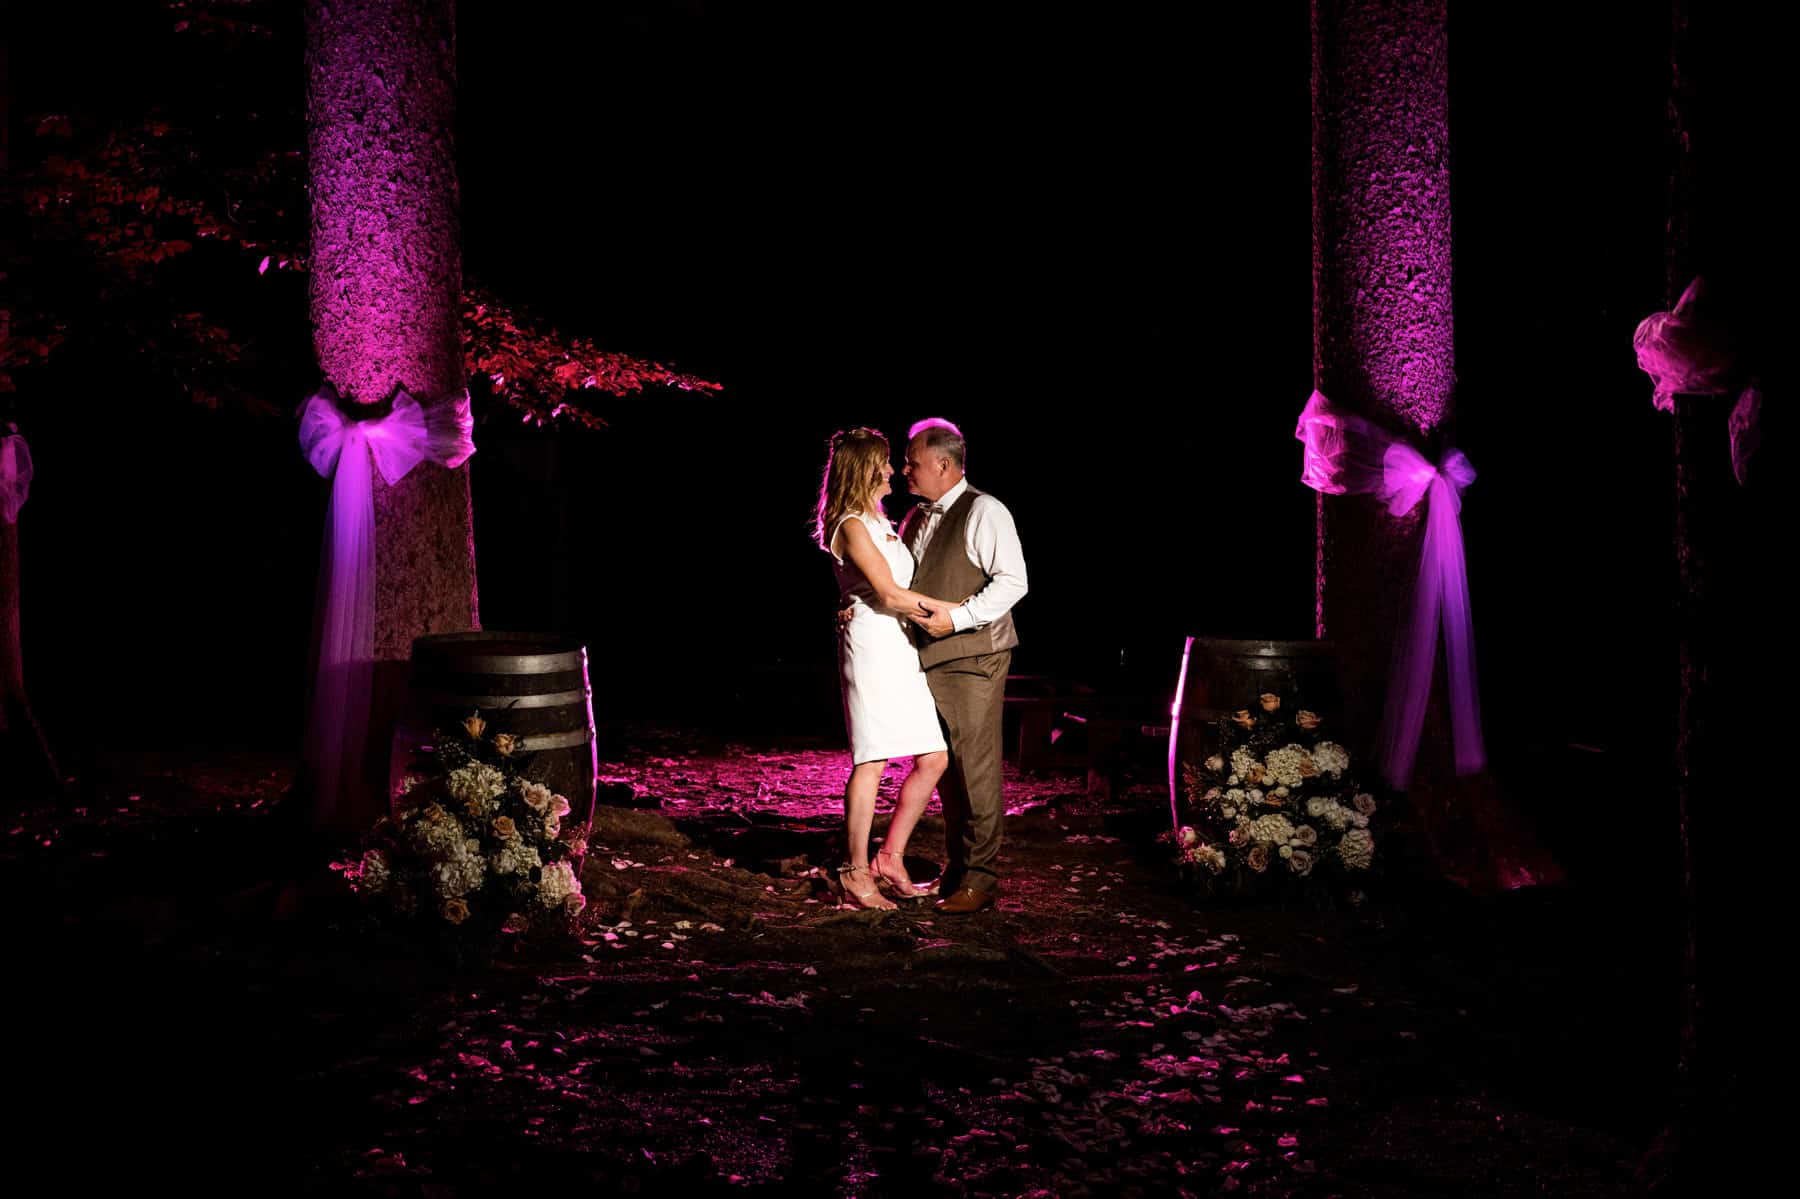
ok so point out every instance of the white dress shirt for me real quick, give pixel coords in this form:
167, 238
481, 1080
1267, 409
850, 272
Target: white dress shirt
992, 542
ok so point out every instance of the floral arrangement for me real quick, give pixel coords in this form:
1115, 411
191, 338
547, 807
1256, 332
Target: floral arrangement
1277, 802
472, 848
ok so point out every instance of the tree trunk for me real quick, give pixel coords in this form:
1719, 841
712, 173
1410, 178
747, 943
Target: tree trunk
1384, 348
1382, 324
26, 766
386, 280
1382, 327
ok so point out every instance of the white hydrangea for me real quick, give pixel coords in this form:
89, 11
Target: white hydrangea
1331, 758
1337, 816
476, 786
515, 857
437, 837
1236, 797
1254, 795
1242, 761
375, 874
1284, 764
462, 873
556, 884
1357, 849
1277, 829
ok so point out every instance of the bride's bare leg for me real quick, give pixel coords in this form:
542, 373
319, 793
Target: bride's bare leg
915, 794
859, 819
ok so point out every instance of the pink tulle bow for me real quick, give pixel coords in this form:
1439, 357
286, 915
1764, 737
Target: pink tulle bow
341, 449
1345, 454
15, 474
1687, 352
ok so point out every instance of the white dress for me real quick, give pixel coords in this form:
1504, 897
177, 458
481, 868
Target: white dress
888, 707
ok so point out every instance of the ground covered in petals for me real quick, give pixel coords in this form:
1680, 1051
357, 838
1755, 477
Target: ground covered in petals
195, 1006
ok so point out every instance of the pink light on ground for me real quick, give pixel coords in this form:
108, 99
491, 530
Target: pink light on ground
1175, 731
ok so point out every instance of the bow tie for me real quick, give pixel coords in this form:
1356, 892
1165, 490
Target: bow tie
931, 510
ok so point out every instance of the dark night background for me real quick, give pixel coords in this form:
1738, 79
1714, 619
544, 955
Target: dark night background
1084, 236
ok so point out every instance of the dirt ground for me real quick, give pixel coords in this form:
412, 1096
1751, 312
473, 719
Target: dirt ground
192, 1004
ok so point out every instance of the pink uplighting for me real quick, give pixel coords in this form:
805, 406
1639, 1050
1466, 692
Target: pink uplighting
1175, 731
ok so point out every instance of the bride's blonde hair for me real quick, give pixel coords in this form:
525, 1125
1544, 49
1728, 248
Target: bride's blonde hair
852, 477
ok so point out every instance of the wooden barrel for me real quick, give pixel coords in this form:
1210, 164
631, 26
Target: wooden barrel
532, 685
1225, 675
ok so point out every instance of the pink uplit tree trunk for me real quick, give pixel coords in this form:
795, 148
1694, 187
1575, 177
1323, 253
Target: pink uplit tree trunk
1384, 348
1382, 326
386, 285
1382, 344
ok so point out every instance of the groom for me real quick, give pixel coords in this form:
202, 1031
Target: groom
965, 544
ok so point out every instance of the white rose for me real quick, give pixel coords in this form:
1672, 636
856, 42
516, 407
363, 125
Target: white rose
537, 796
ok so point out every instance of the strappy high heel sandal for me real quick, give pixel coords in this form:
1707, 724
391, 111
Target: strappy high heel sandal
870, 898
895, 878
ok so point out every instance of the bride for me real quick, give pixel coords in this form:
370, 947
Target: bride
888, 707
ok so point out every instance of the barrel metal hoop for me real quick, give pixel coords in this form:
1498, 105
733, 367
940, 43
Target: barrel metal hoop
534, 742
512, 663
492, 703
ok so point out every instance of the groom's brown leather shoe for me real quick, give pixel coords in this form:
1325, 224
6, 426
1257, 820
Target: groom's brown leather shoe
965, 900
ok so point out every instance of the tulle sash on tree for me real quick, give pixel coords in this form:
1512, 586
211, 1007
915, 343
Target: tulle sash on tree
341, 449
1345, 454
15, 474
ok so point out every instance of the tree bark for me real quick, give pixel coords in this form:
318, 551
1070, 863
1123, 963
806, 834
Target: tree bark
1382, 324
386, 286
1382, 329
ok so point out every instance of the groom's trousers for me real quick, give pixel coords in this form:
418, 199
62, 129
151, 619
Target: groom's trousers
970, 693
